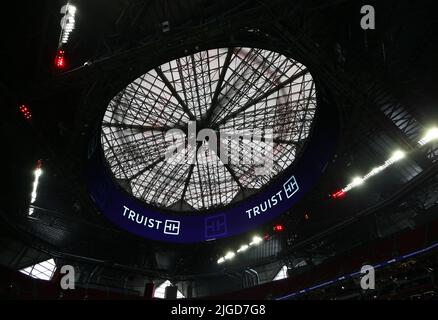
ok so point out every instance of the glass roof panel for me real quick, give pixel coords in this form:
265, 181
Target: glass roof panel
259, 104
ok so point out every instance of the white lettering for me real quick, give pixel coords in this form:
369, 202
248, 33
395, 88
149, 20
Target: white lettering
265, 205
368, 21
131, 215
68, 280
368, 282
182, 310
141, 219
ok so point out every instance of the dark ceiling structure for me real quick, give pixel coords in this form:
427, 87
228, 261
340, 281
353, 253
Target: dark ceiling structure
135, 68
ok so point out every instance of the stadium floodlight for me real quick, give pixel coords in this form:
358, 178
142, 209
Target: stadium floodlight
243, 248
67, 23
256, 240
37, 174
431, 135
357, 181
71, 9
398, 155
230, 255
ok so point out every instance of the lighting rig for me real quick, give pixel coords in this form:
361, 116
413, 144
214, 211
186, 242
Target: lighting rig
67, 27
431, 135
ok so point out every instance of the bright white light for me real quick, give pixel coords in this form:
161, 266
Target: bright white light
37, 174
71, 9
282, 274
431, 135
256, 240
397, 156
67, 22
230, 255
357, 181
375, 171
160, 291
42, 271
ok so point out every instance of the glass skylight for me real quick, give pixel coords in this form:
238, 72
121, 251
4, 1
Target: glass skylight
226, 90
161, 290
42, 271
282, 274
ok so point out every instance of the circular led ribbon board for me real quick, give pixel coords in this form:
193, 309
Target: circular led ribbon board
219, 89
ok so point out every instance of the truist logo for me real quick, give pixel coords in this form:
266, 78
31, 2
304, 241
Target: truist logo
215, 226
169, 227
290, 188
203, 146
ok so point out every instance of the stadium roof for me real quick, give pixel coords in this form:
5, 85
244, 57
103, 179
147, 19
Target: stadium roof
259, 104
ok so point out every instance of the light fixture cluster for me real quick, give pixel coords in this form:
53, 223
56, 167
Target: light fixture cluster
25, 111
358, 181
60, 59
430, 136
398, 155
230, 255
67, 26
37, 174
67, 22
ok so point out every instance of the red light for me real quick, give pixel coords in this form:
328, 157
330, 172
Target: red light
25, 112
60, 59
338, 195
278, 228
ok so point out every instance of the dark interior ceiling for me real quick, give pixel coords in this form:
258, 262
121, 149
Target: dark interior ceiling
365, 73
